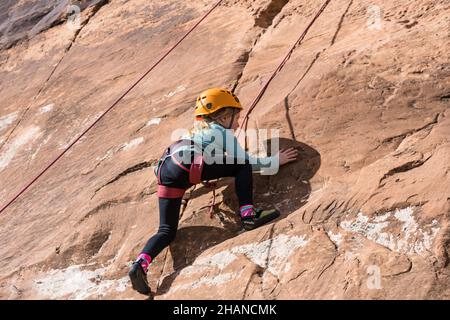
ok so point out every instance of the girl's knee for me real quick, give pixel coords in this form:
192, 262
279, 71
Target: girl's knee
169, 233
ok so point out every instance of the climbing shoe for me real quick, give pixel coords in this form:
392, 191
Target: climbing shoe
258, 218
138, 278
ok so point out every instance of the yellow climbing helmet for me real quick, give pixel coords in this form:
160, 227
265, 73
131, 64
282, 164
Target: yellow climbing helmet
211, 100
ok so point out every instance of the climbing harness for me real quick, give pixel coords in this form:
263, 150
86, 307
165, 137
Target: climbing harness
195, 174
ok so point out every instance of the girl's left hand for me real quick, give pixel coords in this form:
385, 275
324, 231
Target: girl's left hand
287, 155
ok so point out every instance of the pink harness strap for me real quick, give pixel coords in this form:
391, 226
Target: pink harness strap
195, 176
169, 192
179, 164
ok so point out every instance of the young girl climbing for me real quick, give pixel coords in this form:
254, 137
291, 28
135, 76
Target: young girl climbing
209, 151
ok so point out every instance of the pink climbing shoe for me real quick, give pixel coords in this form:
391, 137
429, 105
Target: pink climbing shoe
138, 274
258, 217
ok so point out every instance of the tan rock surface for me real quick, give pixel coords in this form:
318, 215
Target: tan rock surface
365, 210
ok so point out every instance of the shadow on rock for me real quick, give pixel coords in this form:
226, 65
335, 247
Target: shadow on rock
288, 191
190, 242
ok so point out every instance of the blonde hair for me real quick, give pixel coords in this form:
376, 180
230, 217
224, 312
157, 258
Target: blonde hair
205, 121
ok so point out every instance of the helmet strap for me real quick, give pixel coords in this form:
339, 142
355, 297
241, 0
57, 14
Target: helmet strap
232, 118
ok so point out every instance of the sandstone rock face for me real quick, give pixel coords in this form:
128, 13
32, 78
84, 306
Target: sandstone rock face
364, 98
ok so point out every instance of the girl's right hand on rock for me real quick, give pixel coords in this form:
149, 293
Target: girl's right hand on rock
287, 155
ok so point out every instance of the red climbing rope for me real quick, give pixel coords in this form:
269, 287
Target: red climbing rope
109, 109
261, 93
278, 69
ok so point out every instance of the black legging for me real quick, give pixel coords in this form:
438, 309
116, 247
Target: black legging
169, 209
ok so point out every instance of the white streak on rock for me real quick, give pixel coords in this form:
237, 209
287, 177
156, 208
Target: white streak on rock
154, 121
412, 239
219, 260
133, 143
29, 135
5, 121
75, 283
207, 281
46, 108
335, 238
108, 155
287, 267
177, 90
167, 96
371, 231
383, 217
271, 254
40, 146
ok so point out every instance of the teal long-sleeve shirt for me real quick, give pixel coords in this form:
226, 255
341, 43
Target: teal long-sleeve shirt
217, 142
